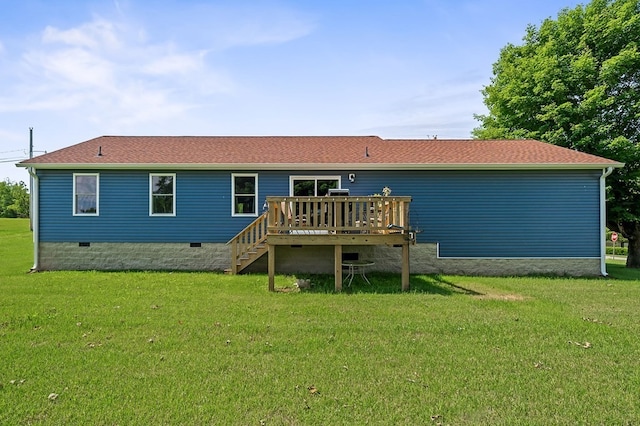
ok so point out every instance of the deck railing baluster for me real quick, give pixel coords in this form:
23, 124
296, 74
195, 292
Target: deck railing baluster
335, 215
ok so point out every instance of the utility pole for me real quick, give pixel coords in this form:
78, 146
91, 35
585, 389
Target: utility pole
31, 180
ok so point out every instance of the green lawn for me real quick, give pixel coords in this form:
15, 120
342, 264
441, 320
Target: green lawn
144, 348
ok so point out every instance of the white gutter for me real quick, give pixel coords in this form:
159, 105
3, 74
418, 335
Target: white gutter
603, 221
322, 166
35, 218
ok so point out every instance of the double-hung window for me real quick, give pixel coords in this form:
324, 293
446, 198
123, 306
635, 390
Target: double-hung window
245, 194
162, 194
86, 189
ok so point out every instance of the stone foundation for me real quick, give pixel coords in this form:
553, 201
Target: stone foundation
292, 260
134, 256
424, 260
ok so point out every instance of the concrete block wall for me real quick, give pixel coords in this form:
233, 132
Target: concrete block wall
424, 260
136, 256
291, 260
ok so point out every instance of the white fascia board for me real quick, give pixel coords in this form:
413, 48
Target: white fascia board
316, 166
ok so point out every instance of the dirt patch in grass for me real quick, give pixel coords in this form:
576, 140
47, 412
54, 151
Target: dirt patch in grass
487, 292
291, 289
507, 297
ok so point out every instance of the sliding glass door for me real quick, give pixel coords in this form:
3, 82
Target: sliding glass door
310, 186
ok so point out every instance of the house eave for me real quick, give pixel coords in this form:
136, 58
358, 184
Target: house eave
319, 166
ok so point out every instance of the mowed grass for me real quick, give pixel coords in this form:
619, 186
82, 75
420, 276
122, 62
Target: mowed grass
139, 348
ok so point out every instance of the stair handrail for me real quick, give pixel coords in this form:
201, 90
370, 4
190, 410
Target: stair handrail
248, 240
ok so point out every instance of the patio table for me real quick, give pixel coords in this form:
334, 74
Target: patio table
357, 267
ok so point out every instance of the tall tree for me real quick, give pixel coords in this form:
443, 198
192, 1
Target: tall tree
14, 199
575, 82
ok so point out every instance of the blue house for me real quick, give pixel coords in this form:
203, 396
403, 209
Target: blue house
222, 203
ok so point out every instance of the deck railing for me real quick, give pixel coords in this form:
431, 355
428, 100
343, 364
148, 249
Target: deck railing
338, 214
319, 215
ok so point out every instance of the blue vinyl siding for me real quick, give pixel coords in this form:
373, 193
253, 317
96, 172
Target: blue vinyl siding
469, 213
500, 214
203, 208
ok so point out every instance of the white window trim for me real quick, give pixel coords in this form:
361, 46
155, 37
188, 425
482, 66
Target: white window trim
233, 194
173, 209
97, 213
314, 178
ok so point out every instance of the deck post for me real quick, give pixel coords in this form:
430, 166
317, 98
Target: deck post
405, 267
234, 258
338, 266
272, 266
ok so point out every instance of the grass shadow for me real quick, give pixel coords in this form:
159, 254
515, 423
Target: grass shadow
457, 288
619, 271
387, 283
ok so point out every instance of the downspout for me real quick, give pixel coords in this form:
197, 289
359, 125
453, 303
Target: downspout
603, 221
35, 220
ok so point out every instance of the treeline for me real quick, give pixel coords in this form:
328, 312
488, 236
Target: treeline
14, 199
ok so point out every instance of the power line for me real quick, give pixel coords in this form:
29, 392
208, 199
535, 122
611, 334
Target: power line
11, 160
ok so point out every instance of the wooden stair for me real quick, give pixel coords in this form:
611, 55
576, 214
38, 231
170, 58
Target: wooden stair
249, 245
251, 256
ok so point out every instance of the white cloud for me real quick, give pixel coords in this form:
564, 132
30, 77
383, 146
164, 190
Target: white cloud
110, 73
99, 33
225, 25
139, 70
281, 28
174, 64
34, 99
443, 108
74, 68
135, 105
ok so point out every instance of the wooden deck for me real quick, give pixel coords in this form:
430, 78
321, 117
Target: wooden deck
337, 221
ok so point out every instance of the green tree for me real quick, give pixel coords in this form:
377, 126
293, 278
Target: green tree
575, 82
14, 199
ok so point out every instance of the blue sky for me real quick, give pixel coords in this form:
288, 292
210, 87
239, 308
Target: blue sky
74, 70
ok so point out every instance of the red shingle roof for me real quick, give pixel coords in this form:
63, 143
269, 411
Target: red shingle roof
311, 152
